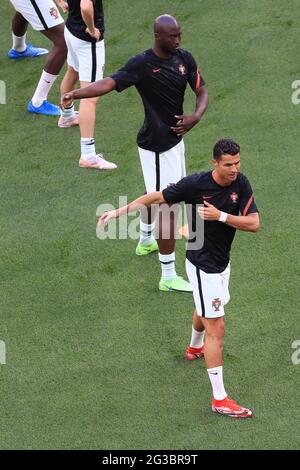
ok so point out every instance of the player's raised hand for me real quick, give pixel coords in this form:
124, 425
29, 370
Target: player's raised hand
95, 33
184, 124
63, 5
105, 217
66, 100
208, 212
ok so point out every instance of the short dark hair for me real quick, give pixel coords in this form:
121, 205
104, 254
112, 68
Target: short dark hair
225, 147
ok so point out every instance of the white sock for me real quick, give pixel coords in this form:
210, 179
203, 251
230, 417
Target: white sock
88, 149
197, 339
216, 379
167, 263
68, 113
19, 43
146, 233
43, 88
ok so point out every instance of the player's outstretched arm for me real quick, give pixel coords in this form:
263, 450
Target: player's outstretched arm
99, 88
146, 200
247, 223
186, 123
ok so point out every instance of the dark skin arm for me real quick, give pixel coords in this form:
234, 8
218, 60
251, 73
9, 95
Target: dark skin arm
99, 88
186, 123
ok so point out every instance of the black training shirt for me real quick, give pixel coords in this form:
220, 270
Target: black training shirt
161, 84
77, 26
213, 256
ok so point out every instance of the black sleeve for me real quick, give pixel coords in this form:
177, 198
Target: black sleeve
196, 81
178, 192
130, 74
247, 203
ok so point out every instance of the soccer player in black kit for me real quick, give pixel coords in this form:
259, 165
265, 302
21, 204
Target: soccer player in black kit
223, 199
160, 75
84, 35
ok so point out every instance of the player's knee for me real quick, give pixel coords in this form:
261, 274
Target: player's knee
71, 73
59, 42
215, 328
221, 327
62, 46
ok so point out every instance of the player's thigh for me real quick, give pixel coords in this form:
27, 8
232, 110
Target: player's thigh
225, 284
71, 42
162, 169
214, 326
91, 58
208, 291
172, 165
181, 150
41, 14
148, 161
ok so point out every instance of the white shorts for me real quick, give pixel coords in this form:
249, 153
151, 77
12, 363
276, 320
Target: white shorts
41, 14
162, 169
211, 291
86, 58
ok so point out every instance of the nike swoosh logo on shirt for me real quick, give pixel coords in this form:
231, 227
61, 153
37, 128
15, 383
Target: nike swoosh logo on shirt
155, 70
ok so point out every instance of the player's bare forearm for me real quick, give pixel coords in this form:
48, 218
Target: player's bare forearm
186, 123
146, 200
87, 13
201, 103
246, 223
99, 88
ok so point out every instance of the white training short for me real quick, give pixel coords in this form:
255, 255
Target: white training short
86, 58
162, 169
41, 14
210, 290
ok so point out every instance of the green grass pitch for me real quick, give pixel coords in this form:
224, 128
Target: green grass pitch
94, 352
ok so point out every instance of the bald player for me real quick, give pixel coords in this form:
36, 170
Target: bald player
160, 76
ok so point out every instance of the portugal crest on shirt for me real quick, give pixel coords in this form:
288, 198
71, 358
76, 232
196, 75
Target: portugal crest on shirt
234, 197
181, 69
